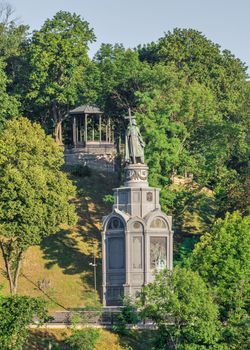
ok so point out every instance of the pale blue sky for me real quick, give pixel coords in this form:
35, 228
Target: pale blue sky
134, 22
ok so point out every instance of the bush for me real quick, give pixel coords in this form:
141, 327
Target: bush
81, 170
84, 339
16, 314
127, 316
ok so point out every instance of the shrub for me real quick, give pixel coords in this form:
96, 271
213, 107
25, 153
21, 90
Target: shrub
84, 339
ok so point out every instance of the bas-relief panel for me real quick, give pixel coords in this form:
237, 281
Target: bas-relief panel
158, 223
158, 252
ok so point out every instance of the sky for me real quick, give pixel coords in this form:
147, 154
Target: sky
134, 22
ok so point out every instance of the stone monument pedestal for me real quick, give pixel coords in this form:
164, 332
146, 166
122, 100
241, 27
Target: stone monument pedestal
137, 237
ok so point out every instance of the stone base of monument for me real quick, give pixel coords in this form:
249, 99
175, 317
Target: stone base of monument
137, 237
136, 175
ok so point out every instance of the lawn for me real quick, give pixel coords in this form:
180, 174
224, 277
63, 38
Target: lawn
59, 268
134, 340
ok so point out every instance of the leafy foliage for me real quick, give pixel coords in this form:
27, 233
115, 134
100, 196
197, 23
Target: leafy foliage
84, 339
12, 39
16, 314
190, 99
57, 59
183, 309
222, 258
128, 315
35, 193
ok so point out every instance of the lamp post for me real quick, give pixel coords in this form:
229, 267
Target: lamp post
94, 264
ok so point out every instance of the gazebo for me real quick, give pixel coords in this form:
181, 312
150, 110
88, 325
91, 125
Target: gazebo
90, 132
90, 127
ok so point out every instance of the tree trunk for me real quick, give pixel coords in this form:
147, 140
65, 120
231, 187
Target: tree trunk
58, 118
56, 122
17, 271
58, 132
12, 275
8, 269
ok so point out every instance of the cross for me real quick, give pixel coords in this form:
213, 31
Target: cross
129, 116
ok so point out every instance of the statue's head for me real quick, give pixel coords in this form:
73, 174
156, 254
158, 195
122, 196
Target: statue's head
133, 121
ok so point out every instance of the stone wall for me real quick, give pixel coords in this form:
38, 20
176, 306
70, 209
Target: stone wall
100, 162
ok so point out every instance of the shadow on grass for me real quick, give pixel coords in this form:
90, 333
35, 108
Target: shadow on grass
42, 340
73, 251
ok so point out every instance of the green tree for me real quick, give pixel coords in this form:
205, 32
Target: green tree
57, 57
222, 258
182, 307
9, 105
203, 61
117, 77
194, 115
11, 33
34, 192
16, 314
12, 39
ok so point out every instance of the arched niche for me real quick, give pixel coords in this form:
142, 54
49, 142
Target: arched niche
158, 223
115, 244
114, 224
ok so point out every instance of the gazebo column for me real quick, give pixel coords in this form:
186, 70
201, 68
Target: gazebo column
100, 128
93, 130
80, 129
74, 131
109, 131
86, 129
77, 131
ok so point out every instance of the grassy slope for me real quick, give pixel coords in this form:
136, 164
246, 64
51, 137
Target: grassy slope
63, 259
136, 340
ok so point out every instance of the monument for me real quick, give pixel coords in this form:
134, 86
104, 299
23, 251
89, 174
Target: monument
137, 237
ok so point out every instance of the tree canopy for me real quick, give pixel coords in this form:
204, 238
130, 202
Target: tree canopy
222, 258
183, 309
34, 192
190, 99
57, 57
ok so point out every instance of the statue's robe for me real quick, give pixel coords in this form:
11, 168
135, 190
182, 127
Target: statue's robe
134, 151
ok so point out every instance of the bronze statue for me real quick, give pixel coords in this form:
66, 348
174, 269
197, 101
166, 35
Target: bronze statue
134, 145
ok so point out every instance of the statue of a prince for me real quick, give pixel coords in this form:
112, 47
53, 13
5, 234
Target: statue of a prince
134, 145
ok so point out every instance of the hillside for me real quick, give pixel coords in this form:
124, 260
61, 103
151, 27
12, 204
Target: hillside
59, 269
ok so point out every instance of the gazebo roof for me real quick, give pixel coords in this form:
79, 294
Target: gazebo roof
86, 109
